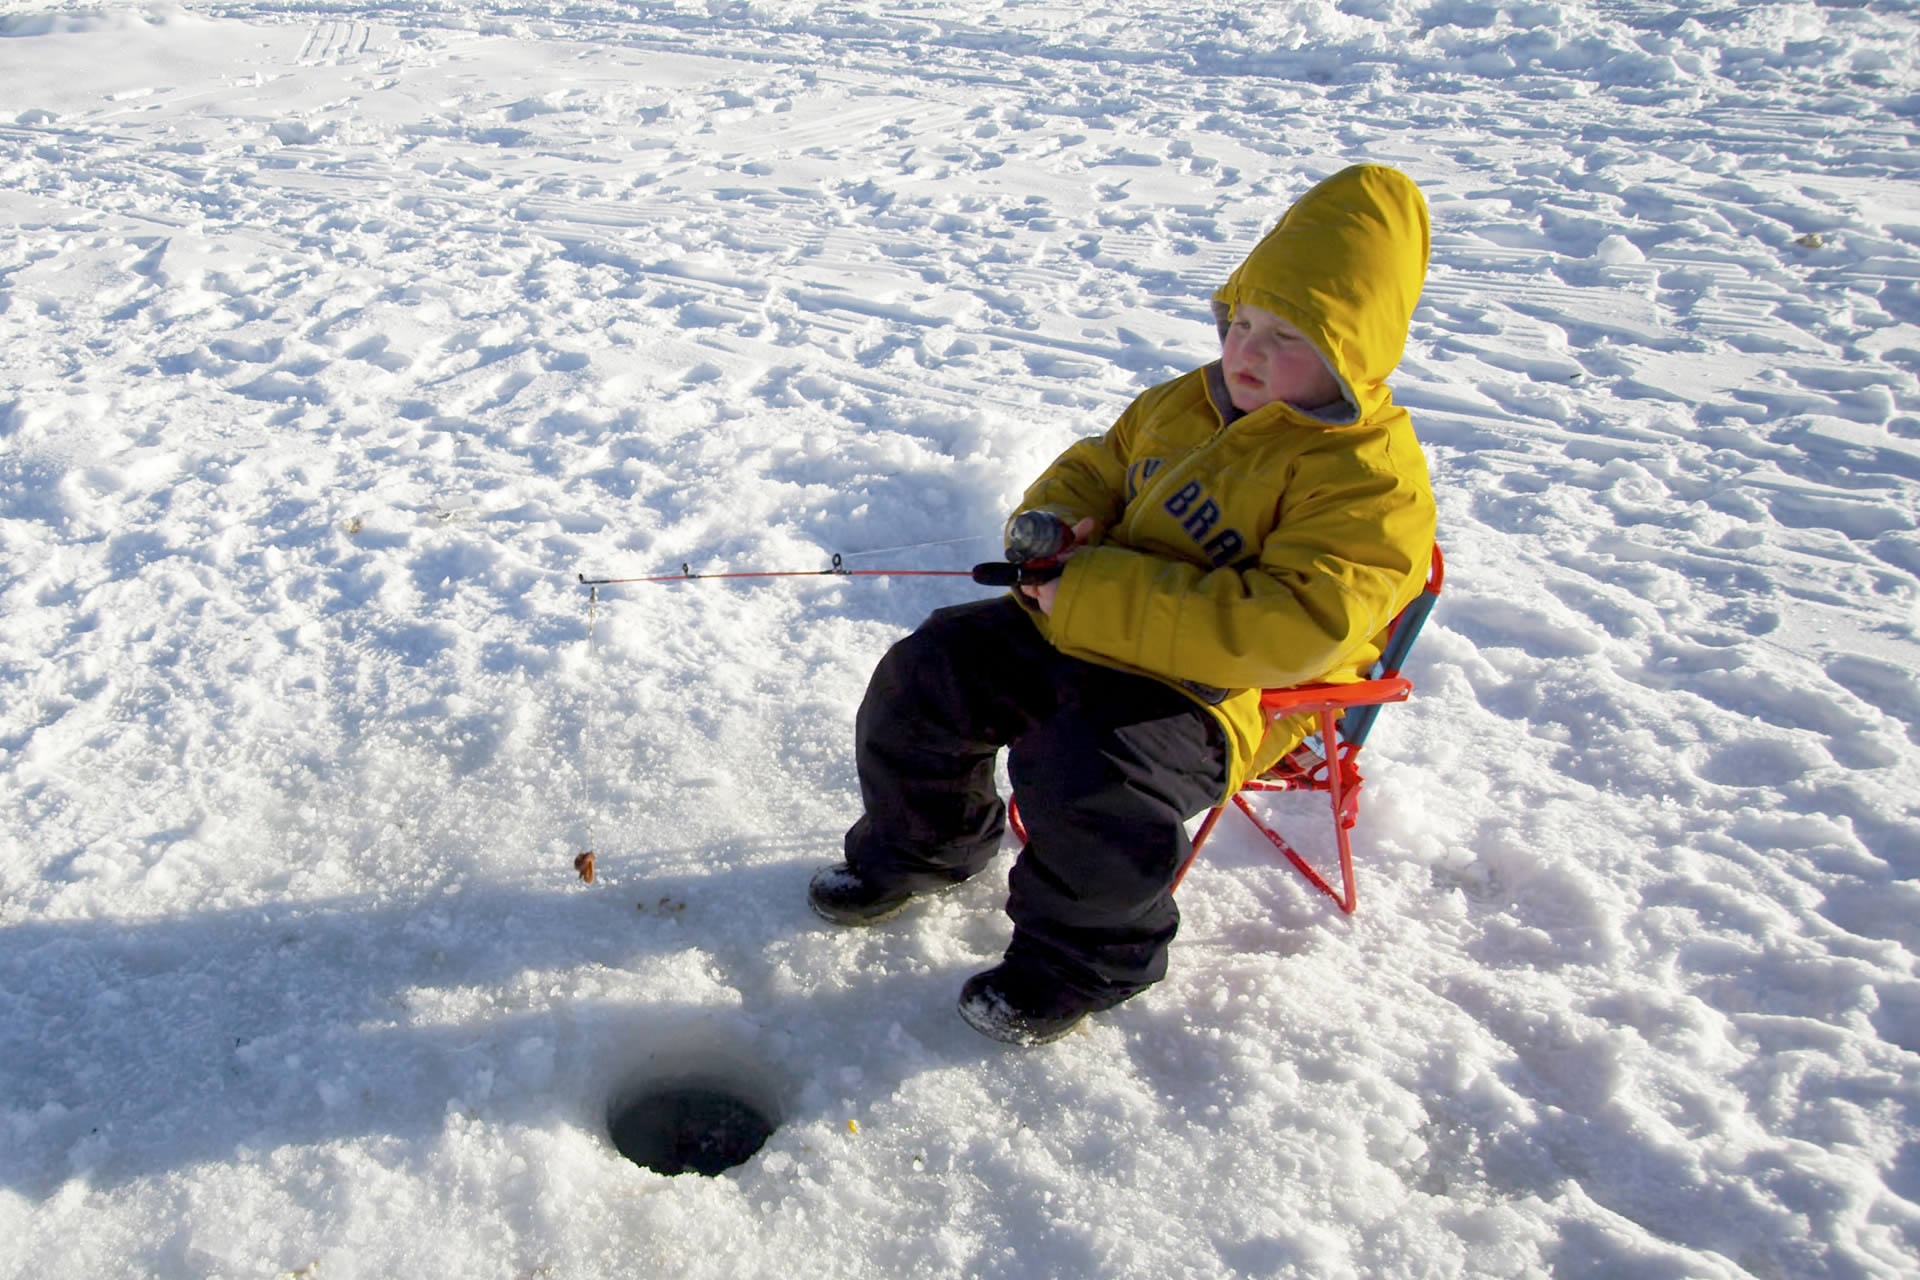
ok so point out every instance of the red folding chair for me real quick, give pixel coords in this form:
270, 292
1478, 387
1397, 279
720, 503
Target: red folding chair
1346, 713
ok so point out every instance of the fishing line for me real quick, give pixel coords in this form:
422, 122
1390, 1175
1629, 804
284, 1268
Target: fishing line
915, 546
992, 574
583, 861
838, 570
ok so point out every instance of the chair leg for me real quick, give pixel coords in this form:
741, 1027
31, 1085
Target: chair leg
1347, 897
1345, 901
1337, 794
1199, 838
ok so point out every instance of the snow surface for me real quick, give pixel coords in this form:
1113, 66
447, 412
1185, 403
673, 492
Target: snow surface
336, 340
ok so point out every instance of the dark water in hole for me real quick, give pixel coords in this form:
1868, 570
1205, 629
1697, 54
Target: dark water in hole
688, 1129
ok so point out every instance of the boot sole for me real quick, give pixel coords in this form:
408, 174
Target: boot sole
1003, 1030
857, 918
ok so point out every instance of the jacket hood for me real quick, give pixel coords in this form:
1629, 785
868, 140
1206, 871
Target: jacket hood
1345, 267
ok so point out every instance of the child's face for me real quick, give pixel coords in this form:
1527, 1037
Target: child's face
1266, 359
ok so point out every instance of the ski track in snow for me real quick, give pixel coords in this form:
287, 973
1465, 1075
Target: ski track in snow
337, 340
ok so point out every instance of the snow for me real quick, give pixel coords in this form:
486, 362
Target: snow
336, 341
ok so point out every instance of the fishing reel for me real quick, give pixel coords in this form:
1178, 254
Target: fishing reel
1036, 543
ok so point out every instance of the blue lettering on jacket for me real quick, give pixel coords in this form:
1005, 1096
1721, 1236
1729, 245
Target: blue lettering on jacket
1198, 514
1138, 475
1225, 547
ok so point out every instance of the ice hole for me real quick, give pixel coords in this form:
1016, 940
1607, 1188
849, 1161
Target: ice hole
688, 1125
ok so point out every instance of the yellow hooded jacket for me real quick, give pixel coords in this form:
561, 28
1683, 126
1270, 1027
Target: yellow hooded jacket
1240, 552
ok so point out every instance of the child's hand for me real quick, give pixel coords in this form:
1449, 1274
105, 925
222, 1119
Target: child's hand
1042, 594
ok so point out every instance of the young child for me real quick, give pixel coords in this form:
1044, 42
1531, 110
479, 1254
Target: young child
1254, 523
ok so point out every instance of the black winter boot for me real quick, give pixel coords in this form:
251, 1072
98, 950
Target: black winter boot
840, 894
1021, 1005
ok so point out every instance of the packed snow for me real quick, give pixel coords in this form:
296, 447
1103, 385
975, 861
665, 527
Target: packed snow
337, 341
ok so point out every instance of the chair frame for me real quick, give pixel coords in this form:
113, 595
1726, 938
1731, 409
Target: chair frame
1345, 714
1310, 767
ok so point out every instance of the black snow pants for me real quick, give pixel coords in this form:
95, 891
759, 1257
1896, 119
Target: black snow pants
1107, 766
